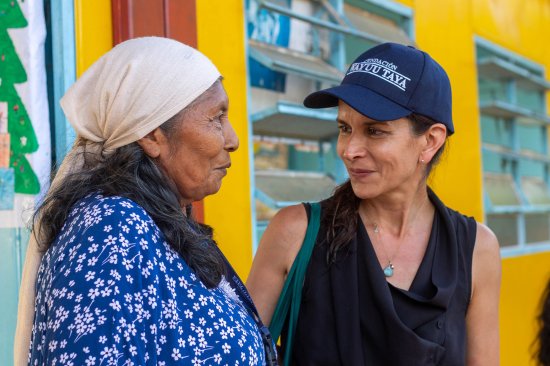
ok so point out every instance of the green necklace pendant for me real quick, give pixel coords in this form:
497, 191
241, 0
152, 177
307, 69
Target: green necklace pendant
388, 270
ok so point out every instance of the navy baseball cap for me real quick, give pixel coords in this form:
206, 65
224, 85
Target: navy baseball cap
391, 81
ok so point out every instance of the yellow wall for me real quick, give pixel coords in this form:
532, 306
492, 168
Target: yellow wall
455, 51
93, 31
524, 279
221, 37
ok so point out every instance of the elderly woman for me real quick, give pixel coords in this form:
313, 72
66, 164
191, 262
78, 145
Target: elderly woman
395, 277
128, 276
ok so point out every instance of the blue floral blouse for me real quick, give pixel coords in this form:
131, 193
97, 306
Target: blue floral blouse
111, 291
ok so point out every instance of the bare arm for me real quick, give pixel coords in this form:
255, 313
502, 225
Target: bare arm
482, 318
277, 250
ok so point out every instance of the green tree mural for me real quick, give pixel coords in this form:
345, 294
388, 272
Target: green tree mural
22, 135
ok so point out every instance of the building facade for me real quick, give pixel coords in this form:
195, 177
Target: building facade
274, 52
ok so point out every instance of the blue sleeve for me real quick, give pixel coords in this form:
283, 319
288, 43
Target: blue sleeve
102, 304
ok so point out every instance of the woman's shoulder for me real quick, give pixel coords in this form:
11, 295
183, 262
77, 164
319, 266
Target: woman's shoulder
291, 213
99, 203
96, 209
109, 222
482, 233
284, 235
486, 244
290, 221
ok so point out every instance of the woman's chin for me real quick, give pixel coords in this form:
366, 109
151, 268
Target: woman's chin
213, 188
363, 191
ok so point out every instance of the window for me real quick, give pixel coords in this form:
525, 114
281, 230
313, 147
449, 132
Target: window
516, 158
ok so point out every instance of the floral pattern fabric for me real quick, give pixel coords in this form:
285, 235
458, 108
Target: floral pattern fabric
111, 291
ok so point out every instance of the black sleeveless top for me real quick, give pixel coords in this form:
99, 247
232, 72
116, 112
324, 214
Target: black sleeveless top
350, 315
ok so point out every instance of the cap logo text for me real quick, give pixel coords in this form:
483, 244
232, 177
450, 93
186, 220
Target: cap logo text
385, 70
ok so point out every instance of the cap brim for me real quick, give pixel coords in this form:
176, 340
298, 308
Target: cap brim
363, 100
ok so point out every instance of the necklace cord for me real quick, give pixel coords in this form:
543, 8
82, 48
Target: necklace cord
389, 269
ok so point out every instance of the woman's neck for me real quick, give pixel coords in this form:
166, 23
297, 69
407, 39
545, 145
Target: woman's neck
397, 213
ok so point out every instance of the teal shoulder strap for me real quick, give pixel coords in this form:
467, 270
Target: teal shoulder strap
291, 296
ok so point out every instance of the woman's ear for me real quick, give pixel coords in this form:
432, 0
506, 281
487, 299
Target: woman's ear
435, 138
153, 143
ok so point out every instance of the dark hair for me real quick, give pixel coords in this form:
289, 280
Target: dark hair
543, 336
132, 174
340, 210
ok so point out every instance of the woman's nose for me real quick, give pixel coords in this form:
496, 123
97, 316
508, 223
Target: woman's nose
231, 139
354, 149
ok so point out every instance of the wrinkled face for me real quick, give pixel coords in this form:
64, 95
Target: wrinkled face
381, 157
196, 154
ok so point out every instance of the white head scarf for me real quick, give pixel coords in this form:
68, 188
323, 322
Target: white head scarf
130, 91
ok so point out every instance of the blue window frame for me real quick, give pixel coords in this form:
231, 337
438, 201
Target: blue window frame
516, 159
